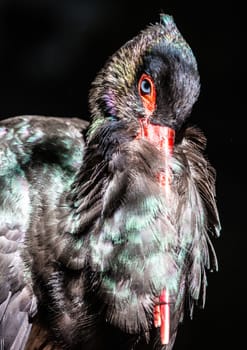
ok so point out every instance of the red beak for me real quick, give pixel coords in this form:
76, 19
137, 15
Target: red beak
163, 138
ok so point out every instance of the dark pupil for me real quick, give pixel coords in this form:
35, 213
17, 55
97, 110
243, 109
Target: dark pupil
145, 87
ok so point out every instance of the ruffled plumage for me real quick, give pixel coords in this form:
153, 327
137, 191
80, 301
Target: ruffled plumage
88, 237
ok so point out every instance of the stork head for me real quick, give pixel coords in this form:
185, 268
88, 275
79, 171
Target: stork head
152, 76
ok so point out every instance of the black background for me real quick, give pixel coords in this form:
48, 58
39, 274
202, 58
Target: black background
50, 51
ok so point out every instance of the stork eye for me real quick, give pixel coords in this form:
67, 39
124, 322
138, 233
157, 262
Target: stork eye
147, 92
145, 87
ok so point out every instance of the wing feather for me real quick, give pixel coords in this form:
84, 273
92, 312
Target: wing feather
28, 145
197, 214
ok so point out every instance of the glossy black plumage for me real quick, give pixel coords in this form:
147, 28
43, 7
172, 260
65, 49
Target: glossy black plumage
88, 238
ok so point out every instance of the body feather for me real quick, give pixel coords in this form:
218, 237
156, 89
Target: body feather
89, 238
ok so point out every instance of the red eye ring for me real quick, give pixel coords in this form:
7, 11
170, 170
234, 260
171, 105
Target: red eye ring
147, 92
